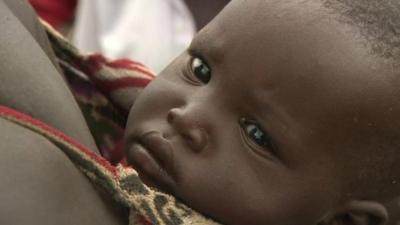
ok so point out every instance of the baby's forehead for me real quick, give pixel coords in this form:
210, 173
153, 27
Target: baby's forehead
259, 34
271, 32
259, 21
376, 21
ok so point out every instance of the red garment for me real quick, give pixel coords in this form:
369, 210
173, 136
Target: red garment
54, 12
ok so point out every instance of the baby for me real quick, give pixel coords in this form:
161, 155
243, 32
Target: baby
280, 112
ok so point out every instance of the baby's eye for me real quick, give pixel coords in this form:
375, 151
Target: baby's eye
200, 70
256, 134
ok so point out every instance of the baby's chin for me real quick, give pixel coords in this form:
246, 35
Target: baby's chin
156, 185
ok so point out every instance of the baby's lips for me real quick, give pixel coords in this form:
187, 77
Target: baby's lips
151, 172
141, 158
159, 147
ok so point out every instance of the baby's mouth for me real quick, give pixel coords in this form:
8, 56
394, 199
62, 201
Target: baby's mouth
151, 156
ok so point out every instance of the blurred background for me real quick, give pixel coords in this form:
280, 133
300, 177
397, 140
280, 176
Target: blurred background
149, 31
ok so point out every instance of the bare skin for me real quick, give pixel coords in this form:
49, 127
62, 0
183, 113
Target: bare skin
274, 115
39, 185
29, 21
37, 97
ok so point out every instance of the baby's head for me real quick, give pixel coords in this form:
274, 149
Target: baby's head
280, 112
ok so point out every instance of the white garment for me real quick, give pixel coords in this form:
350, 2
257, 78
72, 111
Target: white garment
153, 32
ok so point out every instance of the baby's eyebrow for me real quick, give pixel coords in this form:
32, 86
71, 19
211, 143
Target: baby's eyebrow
210, 49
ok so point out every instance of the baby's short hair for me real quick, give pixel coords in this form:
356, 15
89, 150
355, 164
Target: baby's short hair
377, 20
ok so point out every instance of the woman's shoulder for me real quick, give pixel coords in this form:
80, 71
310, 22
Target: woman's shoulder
39, 185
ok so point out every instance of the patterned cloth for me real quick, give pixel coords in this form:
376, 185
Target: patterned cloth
105, 91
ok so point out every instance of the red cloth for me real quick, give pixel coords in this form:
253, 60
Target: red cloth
55, 12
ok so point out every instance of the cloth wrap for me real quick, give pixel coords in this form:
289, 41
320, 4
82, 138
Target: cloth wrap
118, 82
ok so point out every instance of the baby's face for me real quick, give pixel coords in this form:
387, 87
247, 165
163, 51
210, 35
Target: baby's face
263, 119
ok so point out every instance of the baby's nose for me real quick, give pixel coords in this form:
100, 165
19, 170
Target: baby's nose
187, 124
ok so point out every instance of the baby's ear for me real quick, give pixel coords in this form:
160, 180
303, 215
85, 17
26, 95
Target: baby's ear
358, 213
